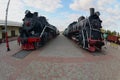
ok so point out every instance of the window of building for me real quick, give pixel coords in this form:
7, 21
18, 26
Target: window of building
3, 28
13, 33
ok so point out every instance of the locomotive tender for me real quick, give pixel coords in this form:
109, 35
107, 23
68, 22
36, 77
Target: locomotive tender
35, 31
87, 31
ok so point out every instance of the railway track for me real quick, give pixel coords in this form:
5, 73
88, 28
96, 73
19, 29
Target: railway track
21, 54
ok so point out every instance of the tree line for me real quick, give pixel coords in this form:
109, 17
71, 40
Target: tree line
109, 32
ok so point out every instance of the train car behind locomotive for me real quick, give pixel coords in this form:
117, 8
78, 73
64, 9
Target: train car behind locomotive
36, 31
86, 31
114, 39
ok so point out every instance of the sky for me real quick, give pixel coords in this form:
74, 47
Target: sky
63, 12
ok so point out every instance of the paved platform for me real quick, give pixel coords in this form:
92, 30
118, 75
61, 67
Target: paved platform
60, 59
14, 47
61, 47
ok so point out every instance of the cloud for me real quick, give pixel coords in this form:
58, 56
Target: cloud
45, 5
66, 18
110, 11
15, 12
81, 4
86, 4
18, 7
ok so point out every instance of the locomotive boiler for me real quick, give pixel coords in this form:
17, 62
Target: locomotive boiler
87, 31
35, 31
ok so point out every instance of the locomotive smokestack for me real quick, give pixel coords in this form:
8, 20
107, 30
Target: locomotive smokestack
92, 11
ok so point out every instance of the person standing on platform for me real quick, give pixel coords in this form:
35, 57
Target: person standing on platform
105, 35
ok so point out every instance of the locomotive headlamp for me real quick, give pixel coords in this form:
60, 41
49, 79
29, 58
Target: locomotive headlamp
33, 32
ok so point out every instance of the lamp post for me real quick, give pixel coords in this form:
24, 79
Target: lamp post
6, 34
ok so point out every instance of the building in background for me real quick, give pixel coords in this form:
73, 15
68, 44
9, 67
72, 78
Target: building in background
12, 29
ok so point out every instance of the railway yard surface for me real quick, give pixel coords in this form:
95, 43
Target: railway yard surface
60, 59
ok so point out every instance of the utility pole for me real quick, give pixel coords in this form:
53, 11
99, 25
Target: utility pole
6, 34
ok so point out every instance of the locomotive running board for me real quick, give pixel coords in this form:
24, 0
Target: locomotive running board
43, 31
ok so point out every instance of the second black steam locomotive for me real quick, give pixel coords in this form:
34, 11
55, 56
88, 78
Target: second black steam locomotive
36, 31
87, 31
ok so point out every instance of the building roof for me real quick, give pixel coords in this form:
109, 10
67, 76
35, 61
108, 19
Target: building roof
10, 23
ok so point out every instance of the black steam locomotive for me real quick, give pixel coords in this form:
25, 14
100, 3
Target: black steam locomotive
36, 31
87, 31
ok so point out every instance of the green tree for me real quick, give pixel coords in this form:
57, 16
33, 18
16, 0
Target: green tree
109, 32
114, 33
